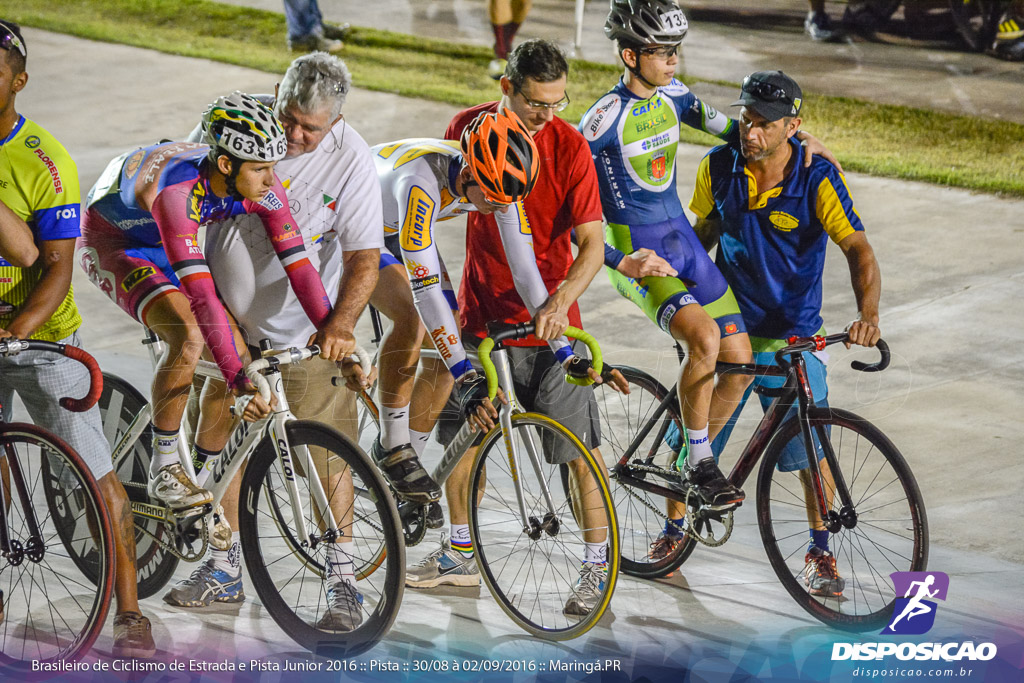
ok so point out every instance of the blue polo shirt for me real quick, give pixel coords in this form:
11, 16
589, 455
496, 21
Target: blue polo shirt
772, 245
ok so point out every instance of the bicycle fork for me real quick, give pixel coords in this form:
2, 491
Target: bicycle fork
532, 526
847, 514
12, 550
278, 433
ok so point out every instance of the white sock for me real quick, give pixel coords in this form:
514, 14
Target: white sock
229, 560
460, 540
595, 552
394, 427
419, 440
700, 446
165, 450
339, 557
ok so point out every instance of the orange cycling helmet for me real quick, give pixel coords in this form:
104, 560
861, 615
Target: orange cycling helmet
501, 155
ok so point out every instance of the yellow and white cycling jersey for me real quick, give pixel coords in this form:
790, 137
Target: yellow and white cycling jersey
418, 179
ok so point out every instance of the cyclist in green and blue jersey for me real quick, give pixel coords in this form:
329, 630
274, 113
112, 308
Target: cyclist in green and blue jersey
653, 255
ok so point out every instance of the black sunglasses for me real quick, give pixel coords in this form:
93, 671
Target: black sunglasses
766, 92
9, 41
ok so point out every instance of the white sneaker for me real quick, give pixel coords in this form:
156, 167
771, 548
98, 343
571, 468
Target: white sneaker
496, 68
174, 488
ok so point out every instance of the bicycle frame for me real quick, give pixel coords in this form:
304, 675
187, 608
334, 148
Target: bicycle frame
466, 435
795, 392
245, 437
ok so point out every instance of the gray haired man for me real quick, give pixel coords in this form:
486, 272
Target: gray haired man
331, 184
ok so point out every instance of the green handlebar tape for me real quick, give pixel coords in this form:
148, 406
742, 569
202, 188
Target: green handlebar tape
484, 353
596, 359
487, 345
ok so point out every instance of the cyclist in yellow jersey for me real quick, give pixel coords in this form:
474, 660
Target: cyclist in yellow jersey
39, 192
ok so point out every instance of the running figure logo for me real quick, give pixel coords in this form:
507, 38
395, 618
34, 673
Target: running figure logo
914, 613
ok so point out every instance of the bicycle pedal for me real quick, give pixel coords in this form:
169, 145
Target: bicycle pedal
185, 515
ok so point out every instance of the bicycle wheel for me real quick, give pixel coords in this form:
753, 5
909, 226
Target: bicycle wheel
891, 531
641, 514
977, 21
533, 573
51, 613
289, 573
120, 403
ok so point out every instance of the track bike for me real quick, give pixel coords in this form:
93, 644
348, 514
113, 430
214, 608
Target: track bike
54, 525
286, 516
526, 521
867, 497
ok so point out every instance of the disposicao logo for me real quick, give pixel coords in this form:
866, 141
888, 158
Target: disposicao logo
913, 613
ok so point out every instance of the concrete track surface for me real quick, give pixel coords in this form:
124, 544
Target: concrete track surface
951, 263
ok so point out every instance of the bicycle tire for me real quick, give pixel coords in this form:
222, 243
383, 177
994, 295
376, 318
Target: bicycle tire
622, 417
870, 465
976, 22
119, 404
499, 539
280, 584
52, 474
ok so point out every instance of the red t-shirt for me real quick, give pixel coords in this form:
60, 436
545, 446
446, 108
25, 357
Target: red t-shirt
566, 195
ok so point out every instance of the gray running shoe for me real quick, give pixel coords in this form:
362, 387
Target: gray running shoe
176, 490
344, 608
206, 585
443, 566
820, 574
587, 591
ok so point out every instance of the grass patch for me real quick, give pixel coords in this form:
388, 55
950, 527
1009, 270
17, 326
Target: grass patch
902, 142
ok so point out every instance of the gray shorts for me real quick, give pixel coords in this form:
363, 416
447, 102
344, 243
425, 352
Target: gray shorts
41, 379
540, 385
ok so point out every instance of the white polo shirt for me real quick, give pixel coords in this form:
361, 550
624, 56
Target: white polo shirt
334, 195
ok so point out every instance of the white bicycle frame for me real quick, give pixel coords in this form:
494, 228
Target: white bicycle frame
243, 440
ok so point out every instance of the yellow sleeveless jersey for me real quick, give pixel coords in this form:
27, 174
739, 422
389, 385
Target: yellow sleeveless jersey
39, 182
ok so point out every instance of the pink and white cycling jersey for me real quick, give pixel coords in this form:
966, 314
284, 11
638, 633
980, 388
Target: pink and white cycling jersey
151, 203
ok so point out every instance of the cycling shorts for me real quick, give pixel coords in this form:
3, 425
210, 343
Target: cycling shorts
131, 274
539, 381
698, 280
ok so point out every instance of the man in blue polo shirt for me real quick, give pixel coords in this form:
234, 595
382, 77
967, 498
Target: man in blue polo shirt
771, 218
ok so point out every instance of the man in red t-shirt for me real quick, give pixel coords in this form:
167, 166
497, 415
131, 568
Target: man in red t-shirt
564, 201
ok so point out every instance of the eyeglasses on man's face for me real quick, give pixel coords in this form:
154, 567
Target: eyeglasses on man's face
560, 105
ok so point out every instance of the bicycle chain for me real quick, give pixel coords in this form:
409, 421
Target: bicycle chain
690, 517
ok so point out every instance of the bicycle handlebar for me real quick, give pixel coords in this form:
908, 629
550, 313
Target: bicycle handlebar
817, 343
13, 346
255, 369
502, 333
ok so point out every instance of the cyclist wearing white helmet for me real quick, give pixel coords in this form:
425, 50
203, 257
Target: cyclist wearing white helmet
139, 245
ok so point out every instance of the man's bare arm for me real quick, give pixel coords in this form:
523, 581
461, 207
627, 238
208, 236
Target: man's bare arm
589, 259
17, 245
57, 260
866, 279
